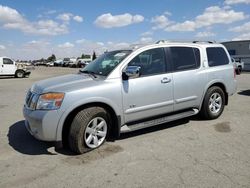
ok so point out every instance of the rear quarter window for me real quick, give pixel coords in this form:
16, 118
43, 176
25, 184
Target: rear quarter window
217, 56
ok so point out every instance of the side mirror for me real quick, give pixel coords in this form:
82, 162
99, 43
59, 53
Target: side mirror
132, 72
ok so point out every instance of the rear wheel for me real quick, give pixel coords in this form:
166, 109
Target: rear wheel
19, 74
89, 129
213, 103
239, 70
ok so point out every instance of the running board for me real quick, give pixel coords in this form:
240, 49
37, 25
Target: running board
161, 120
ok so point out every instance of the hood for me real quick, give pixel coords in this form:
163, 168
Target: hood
64, 83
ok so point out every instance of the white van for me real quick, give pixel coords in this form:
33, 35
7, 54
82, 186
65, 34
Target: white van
8, 67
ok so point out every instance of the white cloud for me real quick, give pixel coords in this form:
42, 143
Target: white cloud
211, 16
244, 31
167, 13
65, 17
243, 36
160, 22
80, 41
185, 26
205, 34
243, 28
232, 2
110, 21
78, 18
216, 15
146, 40
66, 45
9, 15
11, 19
148, 33
2, 47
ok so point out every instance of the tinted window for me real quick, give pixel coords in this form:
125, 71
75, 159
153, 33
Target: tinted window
151, 61
185, 58
216, 57
7, 61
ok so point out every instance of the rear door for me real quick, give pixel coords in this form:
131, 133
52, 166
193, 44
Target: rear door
188, 77
8, 67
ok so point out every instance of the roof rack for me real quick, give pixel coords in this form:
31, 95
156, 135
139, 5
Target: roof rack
196, 41
210, 42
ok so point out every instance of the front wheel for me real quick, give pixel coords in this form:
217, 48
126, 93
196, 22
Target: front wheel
89, 129
213, 103
19, 74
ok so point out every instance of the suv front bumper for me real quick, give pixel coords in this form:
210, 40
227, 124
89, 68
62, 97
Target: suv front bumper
41, 124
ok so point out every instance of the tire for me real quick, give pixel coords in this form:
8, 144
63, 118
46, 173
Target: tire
213, 103
19, 74
239, 70
89, 129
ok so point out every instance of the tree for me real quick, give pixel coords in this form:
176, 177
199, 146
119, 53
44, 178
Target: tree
52, 58
82, 57
93, 56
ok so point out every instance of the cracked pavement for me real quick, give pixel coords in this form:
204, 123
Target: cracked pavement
185, 153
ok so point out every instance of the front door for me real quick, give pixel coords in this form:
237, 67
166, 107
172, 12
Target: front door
8, 67
150, 94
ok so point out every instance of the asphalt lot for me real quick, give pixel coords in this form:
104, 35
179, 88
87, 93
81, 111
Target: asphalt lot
186, 153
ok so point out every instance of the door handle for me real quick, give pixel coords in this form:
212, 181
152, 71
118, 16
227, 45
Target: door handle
165, 80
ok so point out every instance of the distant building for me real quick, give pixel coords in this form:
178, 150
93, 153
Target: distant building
240, 50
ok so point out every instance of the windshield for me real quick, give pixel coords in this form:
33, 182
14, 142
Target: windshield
105, 63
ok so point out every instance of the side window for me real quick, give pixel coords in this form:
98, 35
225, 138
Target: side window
185, 58
151, 62
217, 56
7, 61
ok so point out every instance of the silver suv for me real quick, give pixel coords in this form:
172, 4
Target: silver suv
130, 89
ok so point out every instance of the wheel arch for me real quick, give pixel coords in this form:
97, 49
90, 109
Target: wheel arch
218, 84
116, 120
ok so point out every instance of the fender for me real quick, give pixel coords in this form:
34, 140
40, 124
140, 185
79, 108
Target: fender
81, 103
209, 84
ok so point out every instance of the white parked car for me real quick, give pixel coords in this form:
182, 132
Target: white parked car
50, 64
73, 62
8, 67
238, 65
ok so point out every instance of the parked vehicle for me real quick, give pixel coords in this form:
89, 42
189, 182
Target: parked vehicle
238, 65
127, 90
73, 63
8, 67
66, 62
40, 63
50, 64
82, 63
58, 63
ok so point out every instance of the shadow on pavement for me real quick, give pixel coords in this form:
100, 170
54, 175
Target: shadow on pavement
21, 141
244, 92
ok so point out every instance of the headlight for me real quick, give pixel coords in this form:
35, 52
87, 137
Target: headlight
50, 101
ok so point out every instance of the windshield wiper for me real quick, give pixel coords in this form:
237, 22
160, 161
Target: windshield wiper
89, 72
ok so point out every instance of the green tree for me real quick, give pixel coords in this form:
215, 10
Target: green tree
93, 56
52, 58
82, 57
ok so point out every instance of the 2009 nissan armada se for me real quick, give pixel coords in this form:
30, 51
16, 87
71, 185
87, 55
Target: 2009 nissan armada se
130, 89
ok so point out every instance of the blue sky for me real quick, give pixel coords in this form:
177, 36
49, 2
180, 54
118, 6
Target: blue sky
34, 29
